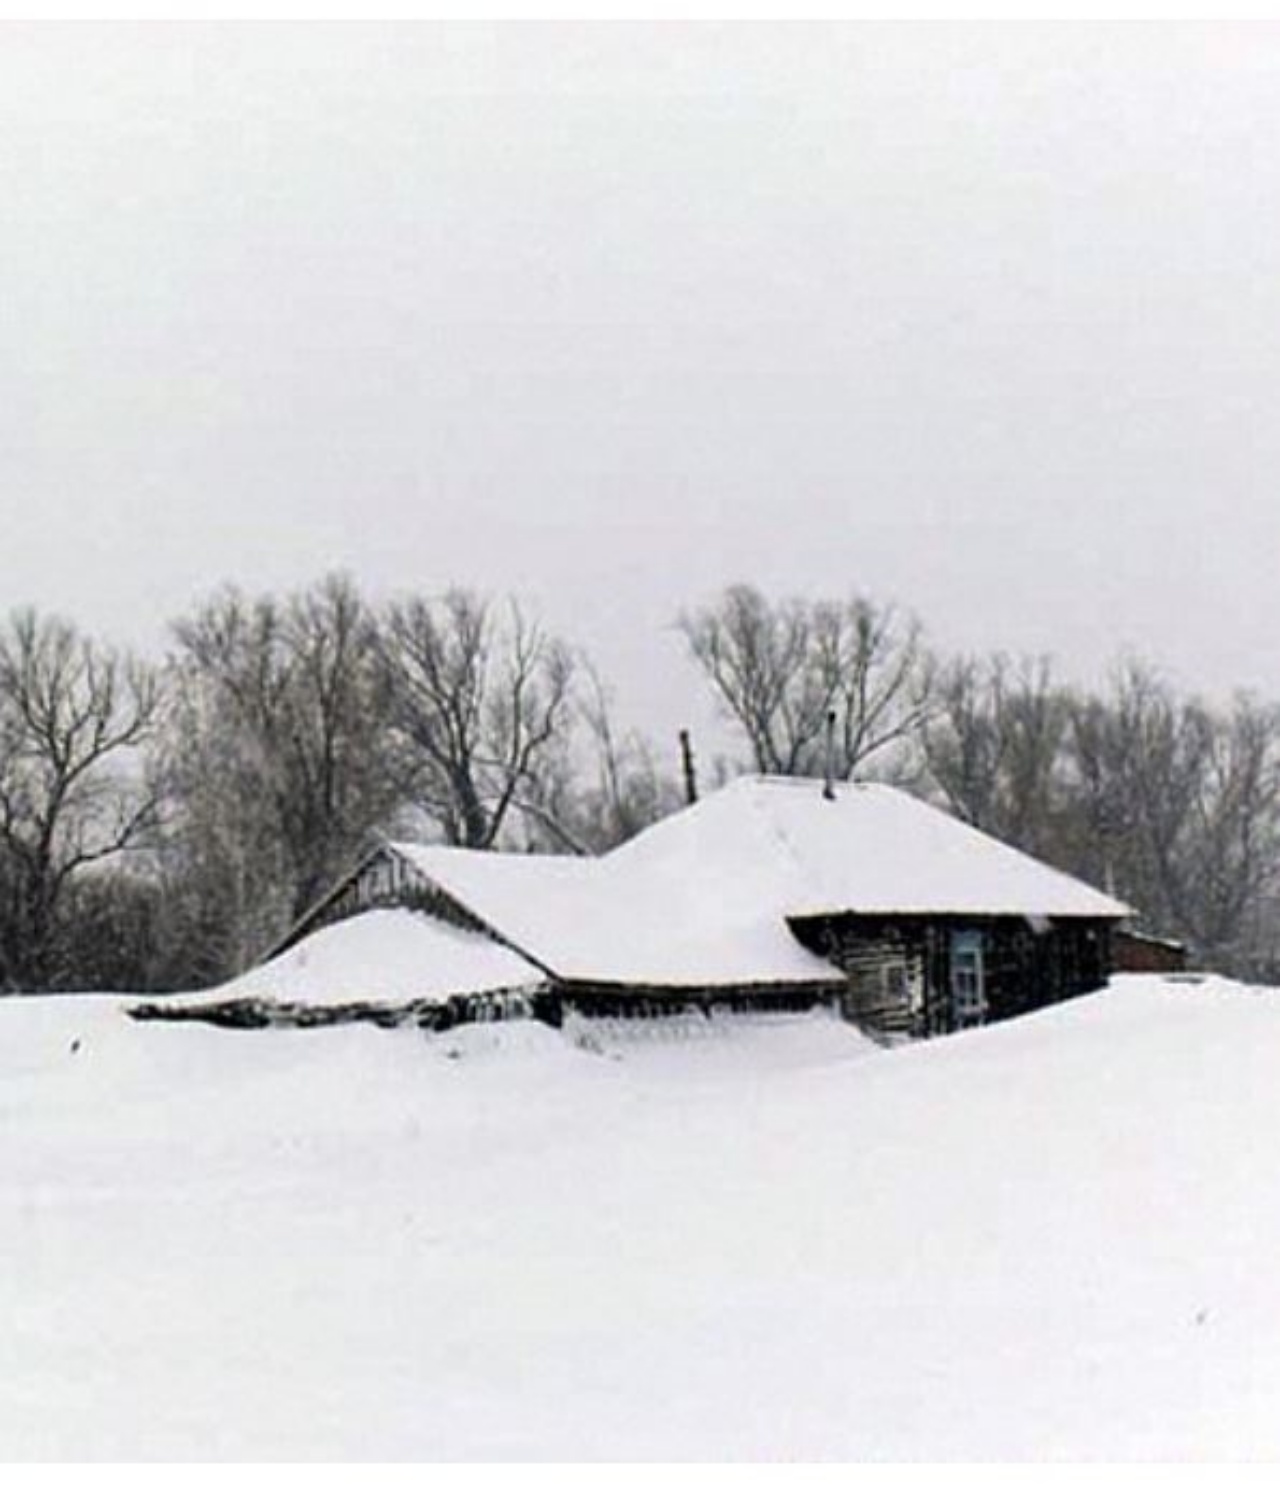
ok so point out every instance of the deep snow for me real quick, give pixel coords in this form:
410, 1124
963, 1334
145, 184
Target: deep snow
749, 1239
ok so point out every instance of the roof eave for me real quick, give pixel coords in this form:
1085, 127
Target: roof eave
955, 912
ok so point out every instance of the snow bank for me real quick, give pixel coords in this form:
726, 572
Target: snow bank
765, 1042
1054, 1238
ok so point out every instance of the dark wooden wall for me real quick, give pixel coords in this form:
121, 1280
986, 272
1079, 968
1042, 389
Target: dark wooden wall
1133, 952
615, 1000
899, 967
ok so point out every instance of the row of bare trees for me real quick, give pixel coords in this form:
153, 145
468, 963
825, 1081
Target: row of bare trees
300, 728
161, 824
1172, 804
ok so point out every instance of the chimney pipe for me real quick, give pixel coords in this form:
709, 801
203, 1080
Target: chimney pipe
828, 783
686, 759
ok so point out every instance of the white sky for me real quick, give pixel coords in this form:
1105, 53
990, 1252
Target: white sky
985, 321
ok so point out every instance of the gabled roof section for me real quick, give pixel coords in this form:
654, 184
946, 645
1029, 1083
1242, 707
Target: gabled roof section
869, 850
533, 902
380, 955
601, 920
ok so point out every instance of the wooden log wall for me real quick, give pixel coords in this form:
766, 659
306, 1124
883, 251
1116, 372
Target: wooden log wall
899, 968
431, 1014
611, 1000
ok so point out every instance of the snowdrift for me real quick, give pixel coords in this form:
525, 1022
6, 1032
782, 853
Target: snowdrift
1053, 1238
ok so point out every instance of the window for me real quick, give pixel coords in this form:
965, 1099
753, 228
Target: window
968, 990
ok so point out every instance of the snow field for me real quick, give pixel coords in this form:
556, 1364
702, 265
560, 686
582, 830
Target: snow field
768, 1240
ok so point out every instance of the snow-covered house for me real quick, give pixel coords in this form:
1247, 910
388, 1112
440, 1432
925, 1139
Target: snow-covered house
771, 893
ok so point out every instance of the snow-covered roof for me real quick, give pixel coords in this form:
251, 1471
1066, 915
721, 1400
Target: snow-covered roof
870, 850
381, 956
530, 899
703, 898
597, 920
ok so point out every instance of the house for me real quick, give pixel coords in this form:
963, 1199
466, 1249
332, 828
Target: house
772, 893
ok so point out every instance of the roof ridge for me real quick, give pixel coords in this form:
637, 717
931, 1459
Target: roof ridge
810, 783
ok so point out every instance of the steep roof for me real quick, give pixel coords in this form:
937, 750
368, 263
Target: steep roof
871, 849
703, 897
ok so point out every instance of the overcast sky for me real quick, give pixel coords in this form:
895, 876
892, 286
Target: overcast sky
985, 321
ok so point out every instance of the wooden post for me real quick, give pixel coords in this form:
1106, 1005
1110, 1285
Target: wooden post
828, 784
690, 778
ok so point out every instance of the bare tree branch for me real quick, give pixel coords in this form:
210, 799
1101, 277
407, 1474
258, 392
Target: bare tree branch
478, 701
778, 670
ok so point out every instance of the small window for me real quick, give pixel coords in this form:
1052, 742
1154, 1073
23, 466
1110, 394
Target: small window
893, 981
968, 989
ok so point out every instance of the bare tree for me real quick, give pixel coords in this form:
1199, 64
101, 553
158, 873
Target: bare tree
1179, 803
72, 716
227, 878
1104, 816
479, 698
964, 746
629, 791
600, 786
993, 745
779, 670
1140, 755
1233, 836
278, 758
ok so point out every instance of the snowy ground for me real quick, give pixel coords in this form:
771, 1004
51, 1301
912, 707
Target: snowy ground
1054, 1238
